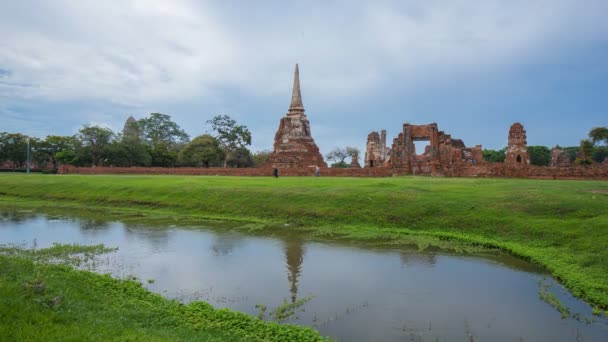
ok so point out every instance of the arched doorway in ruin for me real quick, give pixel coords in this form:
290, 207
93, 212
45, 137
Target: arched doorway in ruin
518, 159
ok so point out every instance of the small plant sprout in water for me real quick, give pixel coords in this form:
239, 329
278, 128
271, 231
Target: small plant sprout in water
284, 311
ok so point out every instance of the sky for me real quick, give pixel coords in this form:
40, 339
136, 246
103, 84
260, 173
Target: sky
473, 67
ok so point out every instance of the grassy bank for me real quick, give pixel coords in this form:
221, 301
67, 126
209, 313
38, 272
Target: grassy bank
562, 225
41, 301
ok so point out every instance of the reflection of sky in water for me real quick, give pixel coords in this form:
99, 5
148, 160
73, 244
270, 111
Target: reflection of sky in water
360, 294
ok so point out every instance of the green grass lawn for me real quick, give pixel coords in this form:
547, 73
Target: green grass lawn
562, 225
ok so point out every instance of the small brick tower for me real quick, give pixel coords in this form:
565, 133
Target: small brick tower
517, 153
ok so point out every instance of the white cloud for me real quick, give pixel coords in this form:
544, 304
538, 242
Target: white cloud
137, 52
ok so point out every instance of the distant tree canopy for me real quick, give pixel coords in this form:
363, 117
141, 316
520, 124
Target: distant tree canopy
95, 141
539, 155
58, 149
599, 135
159, 130
494, 156
13, 148
585, 152
260, 158
233, 140
339, 155
203, 150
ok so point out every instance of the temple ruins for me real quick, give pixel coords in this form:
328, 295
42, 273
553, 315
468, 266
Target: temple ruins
517, 154
296, 154
376, 153
443, 155
294, 146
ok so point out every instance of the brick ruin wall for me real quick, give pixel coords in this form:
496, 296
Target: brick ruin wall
218, 171
482, 170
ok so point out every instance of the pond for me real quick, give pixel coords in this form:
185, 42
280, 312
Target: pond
357, 292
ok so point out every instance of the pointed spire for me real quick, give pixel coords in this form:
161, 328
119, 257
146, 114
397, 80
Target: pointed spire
296, 107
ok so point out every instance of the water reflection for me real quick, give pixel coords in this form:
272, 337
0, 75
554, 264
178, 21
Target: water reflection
360, 294
416, 258
294, 256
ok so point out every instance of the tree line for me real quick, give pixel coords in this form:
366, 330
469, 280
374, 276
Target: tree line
591, 150
155, 140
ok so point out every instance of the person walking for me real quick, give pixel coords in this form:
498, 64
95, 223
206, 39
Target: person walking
317, 171
275, 172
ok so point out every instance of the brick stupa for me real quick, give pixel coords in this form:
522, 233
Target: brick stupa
294, 146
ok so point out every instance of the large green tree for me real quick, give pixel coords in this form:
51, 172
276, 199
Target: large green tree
599, 135
232, 137
56, 149
95, 141
158, 129
129, 150
202, 151
13, 149
585, 152
163, 137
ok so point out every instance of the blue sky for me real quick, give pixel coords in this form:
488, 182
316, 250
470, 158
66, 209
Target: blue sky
473, 67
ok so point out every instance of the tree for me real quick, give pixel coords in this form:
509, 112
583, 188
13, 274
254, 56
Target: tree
494, 156
260, 158
50, 147
163, 137
158, 129
164, 155
585, 153
230, 135
539, 155
122, 153
598, 135
240, 157
339, 155
203, 151
95, 141
130, 150
13, 149
600, 153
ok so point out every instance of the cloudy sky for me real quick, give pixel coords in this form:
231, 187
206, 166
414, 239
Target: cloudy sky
474, 67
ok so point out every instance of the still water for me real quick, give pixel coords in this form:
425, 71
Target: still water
358, 292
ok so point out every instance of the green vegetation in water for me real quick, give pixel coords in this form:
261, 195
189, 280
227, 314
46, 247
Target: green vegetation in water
72, 254
284, 311
45, 301
560, 225
551, 299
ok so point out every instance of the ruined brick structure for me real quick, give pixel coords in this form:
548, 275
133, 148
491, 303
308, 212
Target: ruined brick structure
443, 156
517, 153
294, 146
376, 152
354, 162
559, 158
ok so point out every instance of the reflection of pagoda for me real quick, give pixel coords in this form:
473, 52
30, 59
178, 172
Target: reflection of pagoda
294, 254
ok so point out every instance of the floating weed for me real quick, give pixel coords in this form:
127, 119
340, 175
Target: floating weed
551, 299
261, 310
150, 281
288, 310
